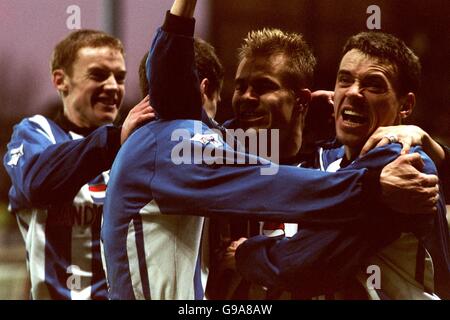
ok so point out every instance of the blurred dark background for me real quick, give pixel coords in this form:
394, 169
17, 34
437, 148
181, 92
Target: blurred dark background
326, 24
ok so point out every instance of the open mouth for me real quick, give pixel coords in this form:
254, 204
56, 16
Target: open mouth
354, 117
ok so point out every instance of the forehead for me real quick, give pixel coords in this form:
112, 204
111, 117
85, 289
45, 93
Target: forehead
274, 66
100, 57
358, 62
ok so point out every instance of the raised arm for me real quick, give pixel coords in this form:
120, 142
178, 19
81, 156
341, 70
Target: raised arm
183, 8
173, 81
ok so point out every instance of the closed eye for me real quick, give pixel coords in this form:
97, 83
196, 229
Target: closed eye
375, 84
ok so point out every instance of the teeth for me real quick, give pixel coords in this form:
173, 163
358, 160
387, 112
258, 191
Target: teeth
353, 113
352, 116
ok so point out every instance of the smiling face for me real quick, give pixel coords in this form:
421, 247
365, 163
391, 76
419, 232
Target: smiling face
262, 100
365, 99
94, 92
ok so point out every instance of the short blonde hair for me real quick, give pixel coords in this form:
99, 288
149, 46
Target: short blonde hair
268, 42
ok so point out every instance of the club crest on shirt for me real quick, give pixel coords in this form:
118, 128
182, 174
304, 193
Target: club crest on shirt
212, 138
15, 156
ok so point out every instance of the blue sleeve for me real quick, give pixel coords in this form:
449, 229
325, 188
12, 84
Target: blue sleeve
436, 236
171, 71
338, 212
43, 172
290, 194
320, 260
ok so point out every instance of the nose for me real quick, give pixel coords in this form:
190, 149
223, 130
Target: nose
250, 94
354, 90
111, 83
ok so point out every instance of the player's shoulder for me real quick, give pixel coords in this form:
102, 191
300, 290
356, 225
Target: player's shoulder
39, 126
32, 122
37, 122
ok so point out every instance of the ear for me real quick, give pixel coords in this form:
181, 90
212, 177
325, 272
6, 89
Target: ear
204, 86
59, 81
407, 106
303, 100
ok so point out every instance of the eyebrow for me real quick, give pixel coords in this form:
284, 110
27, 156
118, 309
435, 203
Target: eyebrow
101, 69
257, 79
266, 79
375, 75
344, 72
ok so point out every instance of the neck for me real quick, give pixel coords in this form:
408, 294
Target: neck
351, 153
67, 125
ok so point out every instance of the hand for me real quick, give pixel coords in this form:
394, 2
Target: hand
228, 261
408, 136
405, 189
183, 8
320, 96
448, 216
138, 115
